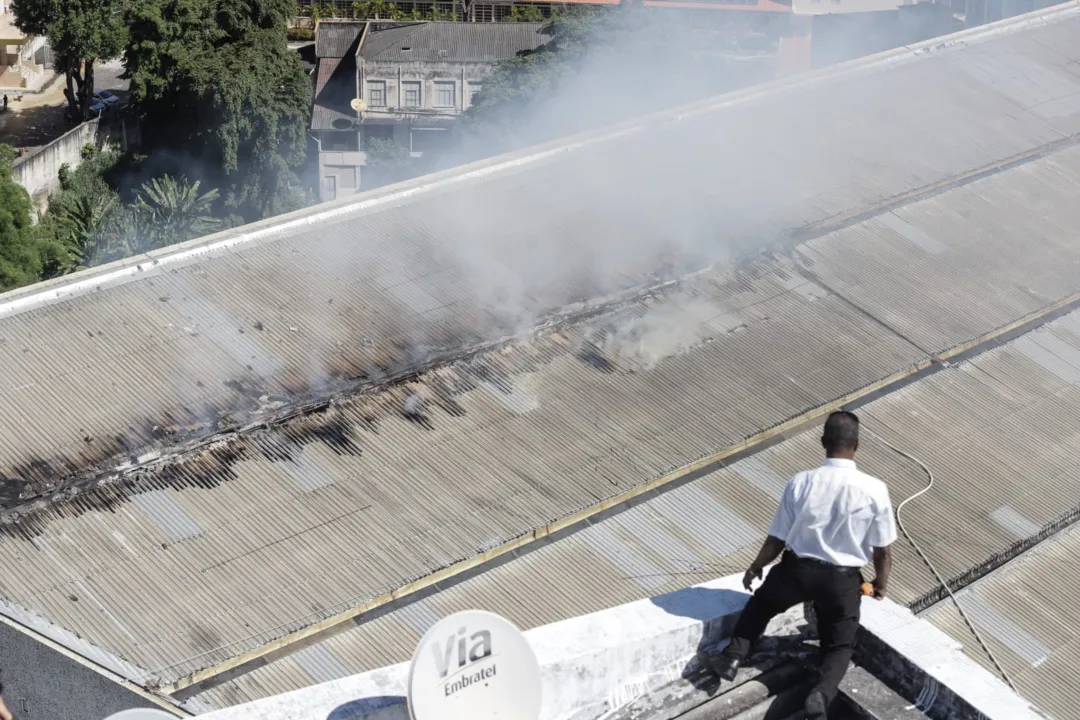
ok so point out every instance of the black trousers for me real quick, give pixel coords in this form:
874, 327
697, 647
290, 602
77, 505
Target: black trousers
837, 596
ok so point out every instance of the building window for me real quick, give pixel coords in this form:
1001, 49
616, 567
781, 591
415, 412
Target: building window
474, 89
340, 142
444, 94
376, 93
410, 94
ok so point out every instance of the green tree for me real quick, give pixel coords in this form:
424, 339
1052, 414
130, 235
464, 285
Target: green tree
525, 13
224, 96
376, 10
88, 224
21, 250
80, 33
78, 214
175, 210
388, 162
499, 118
594, 69
80, 221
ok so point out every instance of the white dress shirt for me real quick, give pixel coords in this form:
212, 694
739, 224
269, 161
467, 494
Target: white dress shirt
836, 514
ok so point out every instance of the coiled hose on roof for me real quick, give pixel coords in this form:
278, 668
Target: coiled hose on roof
926, 560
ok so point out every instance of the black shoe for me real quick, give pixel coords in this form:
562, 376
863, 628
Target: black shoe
816, 705
724, 666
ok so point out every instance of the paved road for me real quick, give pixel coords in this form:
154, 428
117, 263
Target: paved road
38, 119
107, 76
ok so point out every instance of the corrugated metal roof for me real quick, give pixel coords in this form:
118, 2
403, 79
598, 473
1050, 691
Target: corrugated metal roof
399, 508
331, 118
451, 41
335, 87
1028, 613
962, 421
331, 505
335, 38
397, 498
326, 69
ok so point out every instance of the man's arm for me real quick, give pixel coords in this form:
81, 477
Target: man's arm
882, 568
881, 537
770, 550
779, 529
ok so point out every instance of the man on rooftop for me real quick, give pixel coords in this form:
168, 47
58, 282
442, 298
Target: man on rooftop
830, 523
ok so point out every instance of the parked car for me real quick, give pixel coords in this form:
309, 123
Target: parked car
105, 97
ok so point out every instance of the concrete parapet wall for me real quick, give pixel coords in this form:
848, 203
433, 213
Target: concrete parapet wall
590, 665
922, 662
39, 173
597, 665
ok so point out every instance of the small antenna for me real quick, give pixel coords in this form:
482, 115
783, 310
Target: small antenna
474, 665
358, 105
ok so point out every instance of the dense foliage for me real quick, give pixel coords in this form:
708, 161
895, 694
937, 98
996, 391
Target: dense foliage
80, 32
221, 98
22, 253
88, 222
602, 66
388, 162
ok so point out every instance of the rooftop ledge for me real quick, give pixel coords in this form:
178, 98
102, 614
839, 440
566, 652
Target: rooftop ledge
638, 661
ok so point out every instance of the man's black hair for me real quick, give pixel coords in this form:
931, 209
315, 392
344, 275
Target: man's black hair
841, 432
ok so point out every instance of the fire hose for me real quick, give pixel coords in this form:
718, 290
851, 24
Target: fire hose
926, 560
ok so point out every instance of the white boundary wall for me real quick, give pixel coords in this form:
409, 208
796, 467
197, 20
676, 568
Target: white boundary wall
594, 664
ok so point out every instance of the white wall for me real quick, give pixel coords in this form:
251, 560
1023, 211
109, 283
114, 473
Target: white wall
595, 664
39, 173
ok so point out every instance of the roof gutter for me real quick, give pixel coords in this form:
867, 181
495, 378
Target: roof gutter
116, 677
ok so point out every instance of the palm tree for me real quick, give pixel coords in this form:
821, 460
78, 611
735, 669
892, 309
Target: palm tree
175, 211
80, 221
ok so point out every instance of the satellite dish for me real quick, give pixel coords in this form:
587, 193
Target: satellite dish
474, 665
358, 105
142, 714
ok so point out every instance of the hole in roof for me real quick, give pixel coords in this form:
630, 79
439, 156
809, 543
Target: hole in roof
405, 48
342, 123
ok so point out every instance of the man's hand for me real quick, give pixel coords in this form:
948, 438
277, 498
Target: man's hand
770, 550
879, 590
5, 714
